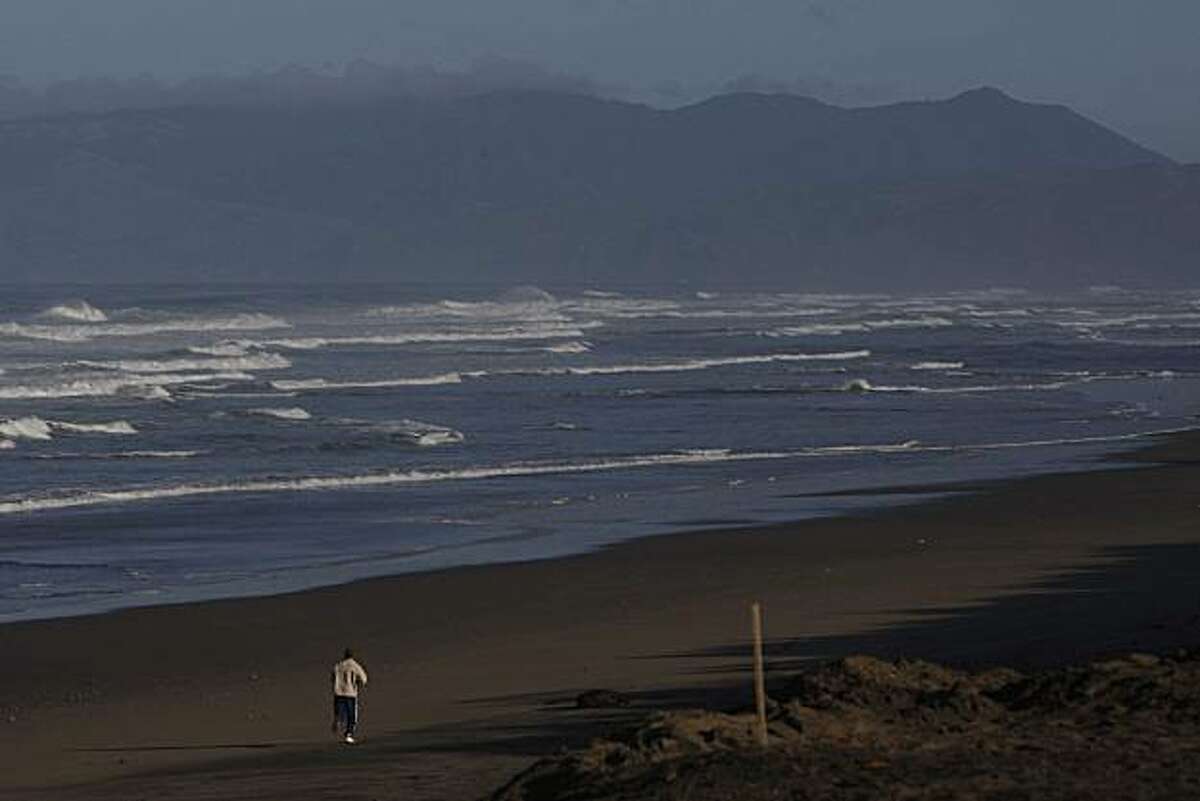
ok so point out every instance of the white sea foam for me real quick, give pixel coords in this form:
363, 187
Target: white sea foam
695, 457
512, 333
621, 307
816, 329
633, 309
989, 313
856, 327
382, 479
786, 312
84, 333
143, 386
1143, 321
417, 433
120, 427
26, 428
841, 450
938, 366
317, 384
226, 349
909, 322
292, 413
1147, 343
924, 305
121, 455
521, 304
7, 444
413, 432
862, 385
569, 348
200, 393
684, 366
1043, 443
1133, 375
36, 428
45, 332
537, 306
487, 311
79, 311
258, 361
155, 392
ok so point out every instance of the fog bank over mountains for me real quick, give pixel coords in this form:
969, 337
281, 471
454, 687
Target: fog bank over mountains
357, 82
554, 184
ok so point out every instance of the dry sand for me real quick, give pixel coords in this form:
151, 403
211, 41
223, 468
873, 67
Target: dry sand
472, 669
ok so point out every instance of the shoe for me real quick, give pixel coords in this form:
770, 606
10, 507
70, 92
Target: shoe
350, 739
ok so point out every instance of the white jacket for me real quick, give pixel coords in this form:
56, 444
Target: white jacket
348, 678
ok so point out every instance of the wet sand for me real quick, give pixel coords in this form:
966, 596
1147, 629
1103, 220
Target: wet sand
472, 669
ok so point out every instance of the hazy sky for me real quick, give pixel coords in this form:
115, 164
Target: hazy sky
1134, 65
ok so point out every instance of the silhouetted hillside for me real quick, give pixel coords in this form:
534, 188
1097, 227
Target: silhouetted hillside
977, 189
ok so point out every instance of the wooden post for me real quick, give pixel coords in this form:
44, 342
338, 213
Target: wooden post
760, 690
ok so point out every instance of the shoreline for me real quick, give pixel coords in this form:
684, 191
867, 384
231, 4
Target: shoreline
1090, 561
886, 497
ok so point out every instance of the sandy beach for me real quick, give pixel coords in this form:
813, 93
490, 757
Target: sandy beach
473, 669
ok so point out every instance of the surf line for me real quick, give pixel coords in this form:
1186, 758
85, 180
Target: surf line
680, 458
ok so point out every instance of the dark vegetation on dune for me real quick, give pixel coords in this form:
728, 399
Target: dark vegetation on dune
863, 728
977, 190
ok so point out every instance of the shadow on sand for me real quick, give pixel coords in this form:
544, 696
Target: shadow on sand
1144, 598
133, 749
1140, 598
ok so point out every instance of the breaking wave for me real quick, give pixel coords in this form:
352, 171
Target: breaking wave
26, 428
123, 455
86, 332
816, 329
291, 413
382, 479
151, 386
191, 393
857, 327
863, 385
523, 303
77, 311
1146, 343
415, 432
568, 348
36, 428
938, 366
1189, 319
259, 361
680, 458
517, 333
227, 349
688, 365
317, 384
120, 427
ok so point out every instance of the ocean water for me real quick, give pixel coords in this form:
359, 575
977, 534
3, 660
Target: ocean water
166, 444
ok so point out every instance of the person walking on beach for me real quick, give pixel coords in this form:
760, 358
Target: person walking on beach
348, 678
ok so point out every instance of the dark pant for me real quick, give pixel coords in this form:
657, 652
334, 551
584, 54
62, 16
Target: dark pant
345, 712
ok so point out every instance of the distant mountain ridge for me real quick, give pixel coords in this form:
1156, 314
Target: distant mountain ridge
522, 185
